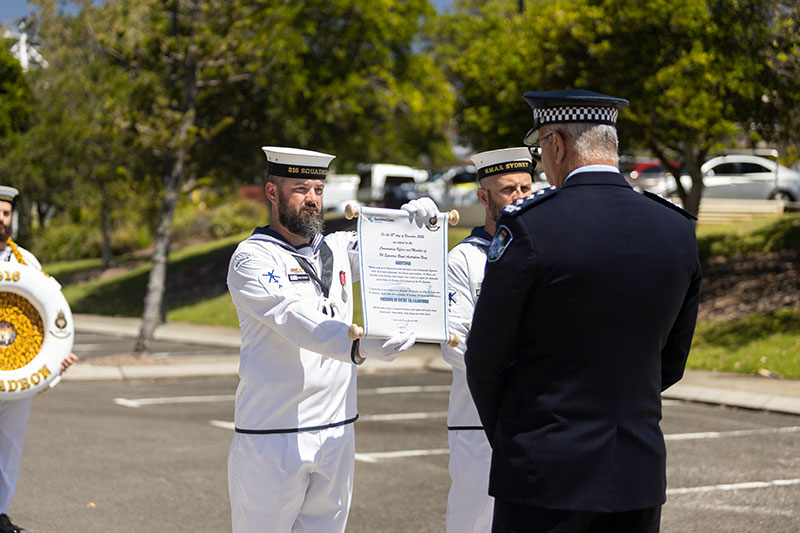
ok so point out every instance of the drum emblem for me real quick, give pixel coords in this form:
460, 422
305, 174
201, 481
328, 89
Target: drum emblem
7, 334
61, 320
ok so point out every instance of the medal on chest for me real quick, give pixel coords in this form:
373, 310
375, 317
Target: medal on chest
343, 281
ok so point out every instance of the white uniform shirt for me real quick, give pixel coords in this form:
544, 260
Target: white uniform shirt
8, 255
465, 266
295, 368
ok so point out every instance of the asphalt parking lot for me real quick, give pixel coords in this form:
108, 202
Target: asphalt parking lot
149, 455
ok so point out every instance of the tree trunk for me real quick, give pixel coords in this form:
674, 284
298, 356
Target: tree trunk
105, 222
693, 159
156, 283
172, 187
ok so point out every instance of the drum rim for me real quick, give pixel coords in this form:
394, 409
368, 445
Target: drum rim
44, 294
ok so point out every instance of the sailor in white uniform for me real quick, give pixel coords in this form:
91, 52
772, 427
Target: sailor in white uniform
290, 465
504, 176
14, 413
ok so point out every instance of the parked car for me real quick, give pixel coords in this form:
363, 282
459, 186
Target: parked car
453, 187
340, 190
389, 185
740, 176
647, 174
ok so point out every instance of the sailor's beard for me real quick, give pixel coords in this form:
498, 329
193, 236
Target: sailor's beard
307, 225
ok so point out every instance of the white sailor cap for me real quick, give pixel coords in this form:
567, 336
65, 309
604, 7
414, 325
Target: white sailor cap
8, 194
503, 161
297, 163
578, 105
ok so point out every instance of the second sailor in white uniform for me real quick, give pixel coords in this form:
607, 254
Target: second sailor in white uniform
290, 465
504, 176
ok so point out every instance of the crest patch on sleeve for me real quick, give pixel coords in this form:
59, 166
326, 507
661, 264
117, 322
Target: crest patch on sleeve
239, 259
502, 238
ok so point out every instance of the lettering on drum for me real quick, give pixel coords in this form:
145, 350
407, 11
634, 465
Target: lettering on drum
13, 385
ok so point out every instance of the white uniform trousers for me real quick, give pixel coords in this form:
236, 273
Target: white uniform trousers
469, 506
13, 422
289, 482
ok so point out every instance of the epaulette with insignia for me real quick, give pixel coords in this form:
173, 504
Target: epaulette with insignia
662, 200
523, 204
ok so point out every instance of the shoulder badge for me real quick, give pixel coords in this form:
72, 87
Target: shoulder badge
502, 238
523, 204
239, 259
664, 201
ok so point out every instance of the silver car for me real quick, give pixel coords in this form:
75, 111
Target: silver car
741, 176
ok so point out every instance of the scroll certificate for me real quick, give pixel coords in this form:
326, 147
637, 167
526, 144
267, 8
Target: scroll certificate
403, 274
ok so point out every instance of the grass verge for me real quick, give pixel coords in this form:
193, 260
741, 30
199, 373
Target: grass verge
769, 341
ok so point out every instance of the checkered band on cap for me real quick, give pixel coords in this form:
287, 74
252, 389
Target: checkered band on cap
560, 115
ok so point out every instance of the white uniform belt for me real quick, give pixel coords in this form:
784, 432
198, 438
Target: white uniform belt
295, 430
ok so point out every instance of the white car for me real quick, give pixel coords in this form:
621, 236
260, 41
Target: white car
340, 190
740, 176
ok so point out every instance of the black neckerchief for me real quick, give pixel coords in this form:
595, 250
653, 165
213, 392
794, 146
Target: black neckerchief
327, 268
325, 253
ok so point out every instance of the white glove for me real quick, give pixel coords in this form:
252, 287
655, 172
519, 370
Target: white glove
387, 349
421, 207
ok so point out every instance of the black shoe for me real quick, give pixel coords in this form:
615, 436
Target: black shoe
6, 526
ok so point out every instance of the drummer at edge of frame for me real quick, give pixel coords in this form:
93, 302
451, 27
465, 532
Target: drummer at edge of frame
504, 176
13, 413
291, 460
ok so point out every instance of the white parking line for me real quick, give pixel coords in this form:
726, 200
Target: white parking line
139, 402
374, 457
735, 486
735, 433
402, 416
87, 346
406, 390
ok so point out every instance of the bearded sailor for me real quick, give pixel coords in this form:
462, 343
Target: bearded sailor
290, 465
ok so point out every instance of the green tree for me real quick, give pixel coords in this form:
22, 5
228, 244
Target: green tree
213, 80
488, 51
15, 99
371, 91
779, 121
73, 157
692, 69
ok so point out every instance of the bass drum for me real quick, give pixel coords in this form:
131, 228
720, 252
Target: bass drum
36, 331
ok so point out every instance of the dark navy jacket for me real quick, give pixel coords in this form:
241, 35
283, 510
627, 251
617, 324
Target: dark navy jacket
586, 314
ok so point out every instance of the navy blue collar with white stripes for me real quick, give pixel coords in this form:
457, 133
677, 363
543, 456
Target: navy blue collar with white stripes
280, 240
479, 236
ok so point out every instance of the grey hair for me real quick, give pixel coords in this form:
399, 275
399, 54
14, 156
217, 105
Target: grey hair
592, 141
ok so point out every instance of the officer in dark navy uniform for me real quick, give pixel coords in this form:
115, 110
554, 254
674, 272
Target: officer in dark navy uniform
586, 314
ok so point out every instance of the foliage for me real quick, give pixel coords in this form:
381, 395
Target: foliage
693, 70
197, 272
192, 222
473, 45
779, 121
770, 341
73, 158
65, 240
15, 104
782, 234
